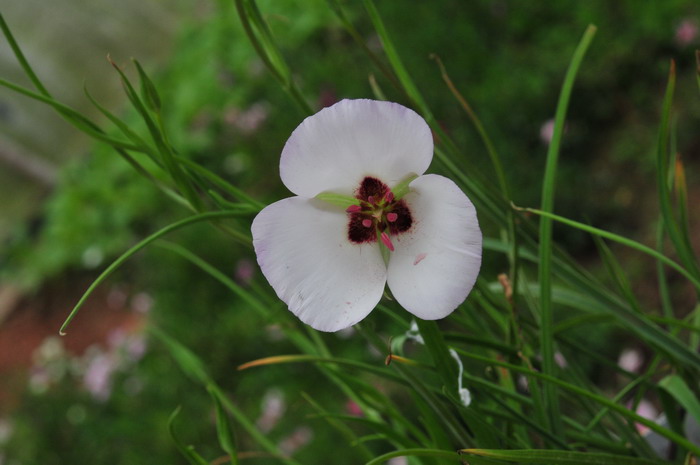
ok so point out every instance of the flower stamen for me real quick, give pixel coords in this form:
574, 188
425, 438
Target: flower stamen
354, 209
367, 223
386, 240
392, 217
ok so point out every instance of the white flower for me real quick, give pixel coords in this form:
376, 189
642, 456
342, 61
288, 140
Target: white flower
357, 170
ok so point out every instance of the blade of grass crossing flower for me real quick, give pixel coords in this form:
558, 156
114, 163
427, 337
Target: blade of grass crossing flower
545, 236
140, 245
555, 457
224, 428
187, 451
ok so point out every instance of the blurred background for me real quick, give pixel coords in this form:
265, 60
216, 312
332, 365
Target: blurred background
69, 206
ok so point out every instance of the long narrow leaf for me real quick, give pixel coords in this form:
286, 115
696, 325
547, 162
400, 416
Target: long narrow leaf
556, 457
545, 236
143, 243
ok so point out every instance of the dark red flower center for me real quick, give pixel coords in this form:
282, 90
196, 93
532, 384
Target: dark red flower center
378, 216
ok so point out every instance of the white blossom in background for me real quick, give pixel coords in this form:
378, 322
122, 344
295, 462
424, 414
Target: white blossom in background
631, 360
295, 441
398, 461
273, 407
97, 378
365, 215
547, 131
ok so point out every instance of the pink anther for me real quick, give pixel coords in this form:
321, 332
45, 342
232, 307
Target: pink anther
392, 217
353, 209
389, 197
367, 223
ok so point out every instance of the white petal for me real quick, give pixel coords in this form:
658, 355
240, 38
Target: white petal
436, 262
337, 147
303, 251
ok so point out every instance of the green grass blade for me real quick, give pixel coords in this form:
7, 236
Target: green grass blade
183, 182
621, 240
260, 37
187, 451
663, 168
435, 343
224, 428
445, 454
556, 457
578, 391
396, 63
193, 367
545, 236
21, 58
679, 390
143, 243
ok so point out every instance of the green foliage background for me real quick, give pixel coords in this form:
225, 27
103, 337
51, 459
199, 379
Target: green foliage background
508, 58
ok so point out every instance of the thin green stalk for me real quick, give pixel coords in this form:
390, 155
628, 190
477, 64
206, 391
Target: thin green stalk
21, 58
545, 250
140, 245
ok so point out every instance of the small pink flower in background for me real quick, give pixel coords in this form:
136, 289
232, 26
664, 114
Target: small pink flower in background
630, 359
366, 216
245, 270
647, 410
687, 32
560, 360
352, 408
547, 131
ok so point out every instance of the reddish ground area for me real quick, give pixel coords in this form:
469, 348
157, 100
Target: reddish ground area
28, 320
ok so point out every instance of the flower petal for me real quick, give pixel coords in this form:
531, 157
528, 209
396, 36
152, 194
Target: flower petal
335, 149
436, 262
303, 251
